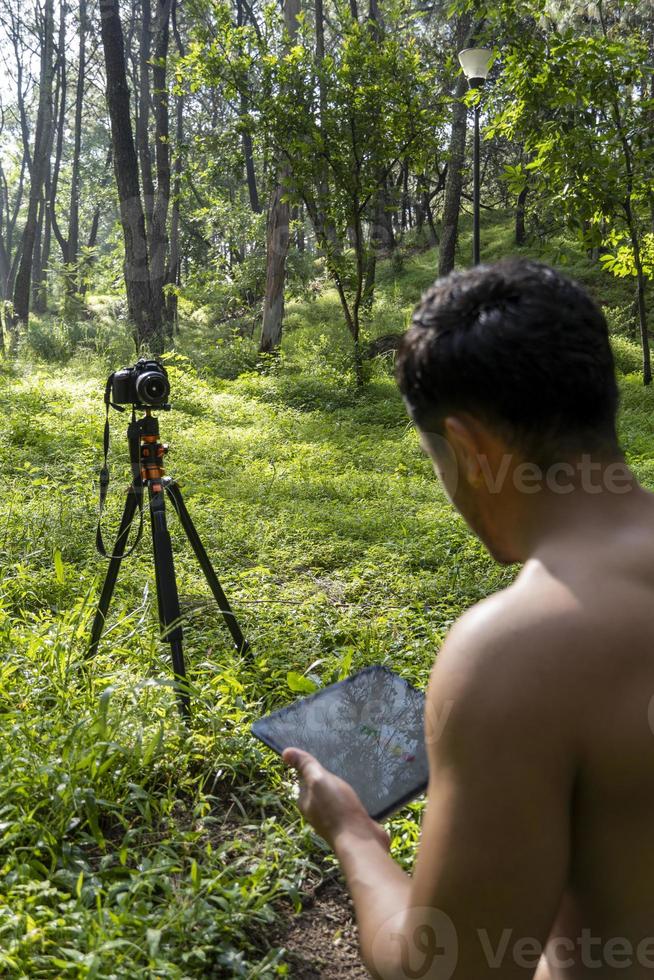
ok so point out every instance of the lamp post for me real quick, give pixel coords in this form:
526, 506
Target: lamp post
475, 63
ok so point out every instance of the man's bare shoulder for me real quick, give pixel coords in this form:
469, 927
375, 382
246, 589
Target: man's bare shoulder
528, 617
511, 654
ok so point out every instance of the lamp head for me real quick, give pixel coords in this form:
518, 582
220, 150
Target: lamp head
476, 64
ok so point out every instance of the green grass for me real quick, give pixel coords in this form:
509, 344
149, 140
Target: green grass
133, 847
129, 846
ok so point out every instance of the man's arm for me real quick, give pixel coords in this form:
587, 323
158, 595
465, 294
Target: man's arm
493, 856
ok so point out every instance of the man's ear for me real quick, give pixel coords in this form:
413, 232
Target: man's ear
465, 439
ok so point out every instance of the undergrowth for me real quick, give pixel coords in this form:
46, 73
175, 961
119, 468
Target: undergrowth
131, 845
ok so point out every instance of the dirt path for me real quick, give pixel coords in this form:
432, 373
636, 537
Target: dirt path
321, 941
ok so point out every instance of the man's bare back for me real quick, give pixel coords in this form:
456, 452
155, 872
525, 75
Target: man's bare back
600, 580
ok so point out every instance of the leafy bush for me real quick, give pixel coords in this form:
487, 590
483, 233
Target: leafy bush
628, 356
230, 356
49, 340
57, 339
620, 320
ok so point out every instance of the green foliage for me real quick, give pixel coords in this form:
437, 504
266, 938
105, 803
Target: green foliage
564, 92
628, 356
230, 356
52, 340
620, 261
620, 320
575, 93
133, 847
104, 331
300, 684
338, 125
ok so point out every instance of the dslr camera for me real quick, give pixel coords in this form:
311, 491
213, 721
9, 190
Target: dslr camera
146, 383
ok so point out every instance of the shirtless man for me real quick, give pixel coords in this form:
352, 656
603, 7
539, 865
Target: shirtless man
536, 856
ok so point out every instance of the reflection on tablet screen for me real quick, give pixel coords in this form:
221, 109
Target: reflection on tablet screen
368, 729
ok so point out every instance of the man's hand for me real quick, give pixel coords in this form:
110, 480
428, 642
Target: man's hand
329, 803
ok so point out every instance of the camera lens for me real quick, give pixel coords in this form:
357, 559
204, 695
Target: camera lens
152, 388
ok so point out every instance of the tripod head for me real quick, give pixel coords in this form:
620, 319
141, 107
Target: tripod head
145, 451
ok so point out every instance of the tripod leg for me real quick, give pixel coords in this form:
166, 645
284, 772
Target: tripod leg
175, 494
131, 503
167, 595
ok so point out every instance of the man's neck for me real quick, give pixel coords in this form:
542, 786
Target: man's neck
588, 495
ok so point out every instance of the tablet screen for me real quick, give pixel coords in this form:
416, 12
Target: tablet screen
367, 729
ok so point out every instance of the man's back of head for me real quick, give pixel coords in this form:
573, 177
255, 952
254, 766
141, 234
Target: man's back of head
508, 373
522, 347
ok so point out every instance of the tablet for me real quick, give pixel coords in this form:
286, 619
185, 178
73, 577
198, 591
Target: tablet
367, 729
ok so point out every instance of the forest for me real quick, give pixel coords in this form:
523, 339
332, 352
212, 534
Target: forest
258, 193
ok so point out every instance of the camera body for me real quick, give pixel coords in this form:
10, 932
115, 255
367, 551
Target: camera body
146, 383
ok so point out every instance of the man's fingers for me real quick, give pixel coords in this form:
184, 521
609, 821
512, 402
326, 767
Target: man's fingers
295, 757
305, 763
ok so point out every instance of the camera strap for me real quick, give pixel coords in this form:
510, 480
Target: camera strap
104, 480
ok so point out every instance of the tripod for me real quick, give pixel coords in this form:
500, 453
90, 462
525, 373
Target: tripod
146, 458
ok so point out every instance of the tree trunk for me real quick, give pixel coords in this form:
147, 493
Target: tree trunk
143, 116
39, 169
278, 232
174, 261
640, 291
246, 136
4, 268
520, 231
385, 233
297, 217
631, 218
381, 241
642, 319
16, 29
248, 155
13, 219
354, 322
322, 176
52, 183
456, 161
277, 250
13, 271
173, 277
421, 201
147, 327
423, 208
45, 257
40, 275
46, 210
37, 262
8, 217
454, 182
158, 244
370, 276
381, 235
87, 264
407, 220
72, 280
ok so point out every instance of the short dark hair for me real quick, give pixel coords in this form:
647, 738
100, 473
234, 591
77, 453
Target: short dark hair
520, 346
